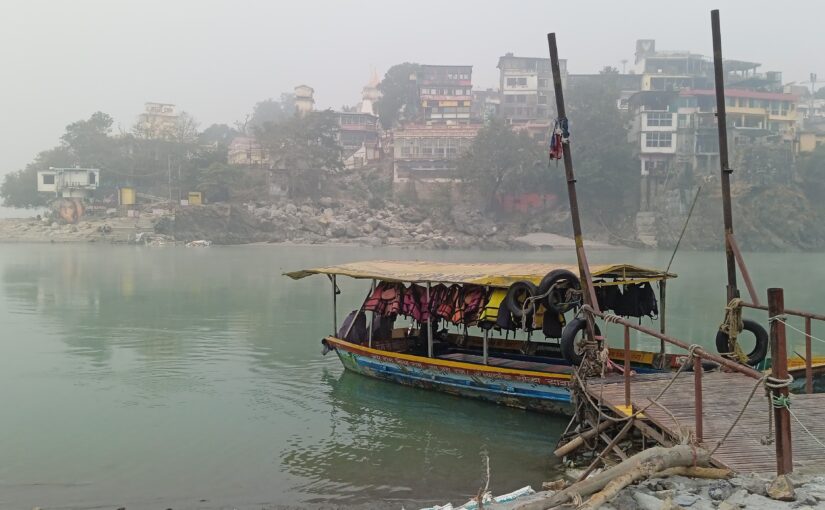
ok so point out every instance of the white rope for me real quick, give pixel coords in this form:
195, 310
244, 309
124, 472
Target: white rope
783, 319
774, 384
820, 443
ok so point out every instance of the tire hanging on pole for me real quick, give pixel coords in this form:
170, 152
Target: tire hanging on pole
559, 300
568, 339
760, 349
517, 295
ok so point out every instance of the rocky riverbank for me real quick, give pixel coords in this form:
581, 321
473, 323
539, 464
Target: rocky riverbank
680, 492
749, 492
326, 221
332, 221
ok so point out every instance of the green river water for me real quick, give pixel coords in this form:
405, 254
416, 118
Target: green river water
193, 378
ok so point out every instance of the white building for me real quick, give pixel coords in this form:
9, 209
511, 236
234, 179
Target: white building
370, 95
304, 99
68, 182
158, 121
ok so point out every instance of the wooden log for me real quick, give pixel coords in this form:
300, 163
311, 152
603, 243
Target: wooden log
697, 472
610, 445
579, 440
638, 466
612, 489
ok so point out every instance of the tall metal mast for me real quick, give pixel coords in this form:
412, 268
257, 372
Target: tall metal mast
719, 76
584, 268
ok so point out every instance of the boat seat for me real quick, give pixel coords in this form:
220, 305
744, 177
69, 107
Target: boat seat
508, 363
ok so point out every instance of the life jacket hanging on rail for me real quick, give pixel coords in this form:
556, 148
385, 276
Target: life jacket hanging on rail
385, 299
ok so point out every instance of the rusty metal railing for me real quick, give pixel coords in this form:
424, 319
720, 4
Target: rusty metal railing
808, 316
779, 369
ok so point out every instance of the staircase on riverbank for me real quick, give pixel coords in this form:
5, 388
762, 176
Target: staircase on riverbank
646, 228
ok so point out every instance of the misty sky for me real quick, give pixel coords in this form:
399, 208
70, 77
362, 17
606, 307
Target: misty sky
63, 60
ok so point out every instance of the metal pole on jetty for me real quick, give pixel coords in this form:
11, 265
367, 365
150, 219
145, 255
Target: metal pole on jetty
721, 117
779, 380
584, 268
732, 253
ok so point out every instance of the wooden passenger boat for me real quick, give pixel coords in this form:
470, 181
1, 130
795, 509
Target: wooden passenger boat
501, 367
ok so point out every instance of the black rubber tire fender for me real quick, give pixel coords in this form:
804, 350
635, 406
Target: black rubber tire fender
514, 293
760, 350
568, 339
551, 279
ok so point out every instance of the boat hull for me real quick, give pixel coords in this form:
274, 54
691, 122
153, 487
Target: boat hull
524, 389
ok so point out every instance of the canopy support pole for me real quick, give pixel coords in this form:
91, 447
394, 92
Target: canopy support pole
662, 316
334, 305
372, 316
486, 337
429, 327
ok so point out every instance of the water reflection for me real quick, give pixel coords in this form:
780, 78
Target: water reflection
198, 373
377, 448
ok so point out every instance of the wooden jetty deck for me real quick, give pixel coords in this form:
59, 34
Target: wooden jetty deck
724, 394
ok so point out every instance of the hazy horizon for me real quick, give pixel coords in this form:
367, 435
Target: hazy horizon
216, 59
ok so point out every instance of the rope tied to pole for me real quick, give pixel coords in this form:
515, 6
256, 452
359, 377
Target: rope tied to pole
775, 401
731, 326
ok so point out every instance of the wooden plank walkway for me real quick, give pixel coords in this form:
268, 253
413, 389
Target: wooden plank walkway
724, 394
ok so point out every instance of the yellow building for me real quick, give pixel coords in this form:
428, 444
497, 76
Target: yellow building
810, 140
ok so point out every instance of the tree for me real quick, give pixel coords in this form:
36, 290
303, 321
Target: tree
217, 135
186, 128
605, 162
216, 181
811, 169
89, 143
500, 160
272, 111
399, 94
305, 148
19, 189
820, 93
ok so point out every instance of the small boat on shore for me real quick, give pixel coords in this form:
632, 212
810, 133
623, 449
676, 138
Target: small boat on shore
469, 332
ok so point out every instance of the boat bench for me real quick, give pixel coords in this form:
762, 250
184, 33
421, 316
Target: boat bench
508, 363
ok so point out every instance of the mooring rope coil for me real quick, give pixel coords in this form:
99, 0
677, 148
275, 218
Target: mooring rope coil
577, 377
731, 326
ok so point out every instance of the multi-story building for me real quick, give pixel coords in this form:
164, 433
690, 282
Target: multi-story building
674, 119
158, 121
486, 104
526, 89
246, 151
358, 137
446, 93
304, 99
426, 154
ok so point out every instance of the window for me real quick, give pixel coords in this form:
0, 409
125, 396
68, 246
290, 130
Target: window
521, 98
510, 99
92, 178
511, 82
659, 119
658, 139
543, 82
48, 178
542, 99
522, 81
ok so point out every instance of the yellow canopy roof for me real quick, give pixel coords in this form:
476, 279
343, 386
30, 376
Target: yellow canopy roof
488, 274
